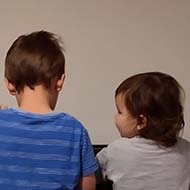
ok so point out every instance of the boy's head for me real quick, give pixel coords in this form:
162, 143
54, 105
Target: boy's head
153, 101
34, 59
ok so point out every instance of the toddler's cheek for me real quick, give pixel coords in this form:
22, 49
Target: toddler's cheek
115, 118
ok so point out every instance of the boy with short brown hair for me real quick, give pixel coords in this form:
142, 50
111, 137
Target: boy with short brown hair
41, 149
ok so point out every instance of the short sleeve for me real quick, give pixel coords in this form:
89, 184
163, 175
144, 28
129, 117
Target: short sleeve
88, 161
102, 158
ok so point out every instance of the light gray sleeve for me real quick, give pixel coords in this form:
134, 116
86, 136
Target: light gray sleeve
102, 158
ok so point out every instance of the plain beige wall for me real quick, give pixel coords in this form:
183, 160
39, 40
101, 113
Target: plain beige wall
106, 41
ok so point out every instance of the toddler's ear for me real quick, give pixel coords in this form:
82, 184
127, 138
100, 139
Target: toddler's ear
142, 122
11, 88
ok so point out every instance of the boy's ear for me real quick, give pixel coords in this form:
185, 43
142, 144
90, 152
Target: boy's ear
142, 122
11, 88
60, 82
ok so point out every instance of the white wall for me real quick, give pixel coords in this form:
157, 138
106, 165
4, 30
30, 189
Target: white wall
106, 41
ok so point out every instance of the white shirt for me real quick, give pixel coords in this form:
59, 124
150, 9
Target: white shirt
140, 164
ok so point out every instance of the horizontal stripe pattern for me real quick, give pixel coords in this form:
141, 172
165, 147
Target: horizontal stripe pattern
34, 184
38, 128
39, 142
54, 171
34, 156
43, 151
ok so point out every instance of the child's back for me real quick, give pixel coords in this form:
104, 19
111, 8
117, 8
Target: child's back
138, 163
49, 151
150, 155
39, 148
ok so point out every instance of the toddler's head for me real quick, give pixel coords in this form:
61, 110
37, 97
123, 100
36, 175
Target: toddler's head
149, 105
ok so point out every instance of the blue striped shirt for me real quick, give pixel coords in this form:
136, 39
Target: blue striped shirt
43, 152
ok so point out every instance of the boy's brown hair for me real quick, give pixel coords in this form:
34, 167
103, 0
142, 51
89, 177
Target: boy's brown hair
34, 59
158, 97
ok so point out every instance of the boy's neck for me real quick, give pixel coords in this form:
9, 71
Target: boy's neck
34, 101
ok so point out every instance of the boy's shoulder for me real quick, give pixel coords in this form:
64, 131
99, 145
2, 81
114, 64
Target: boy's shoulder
56, 119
